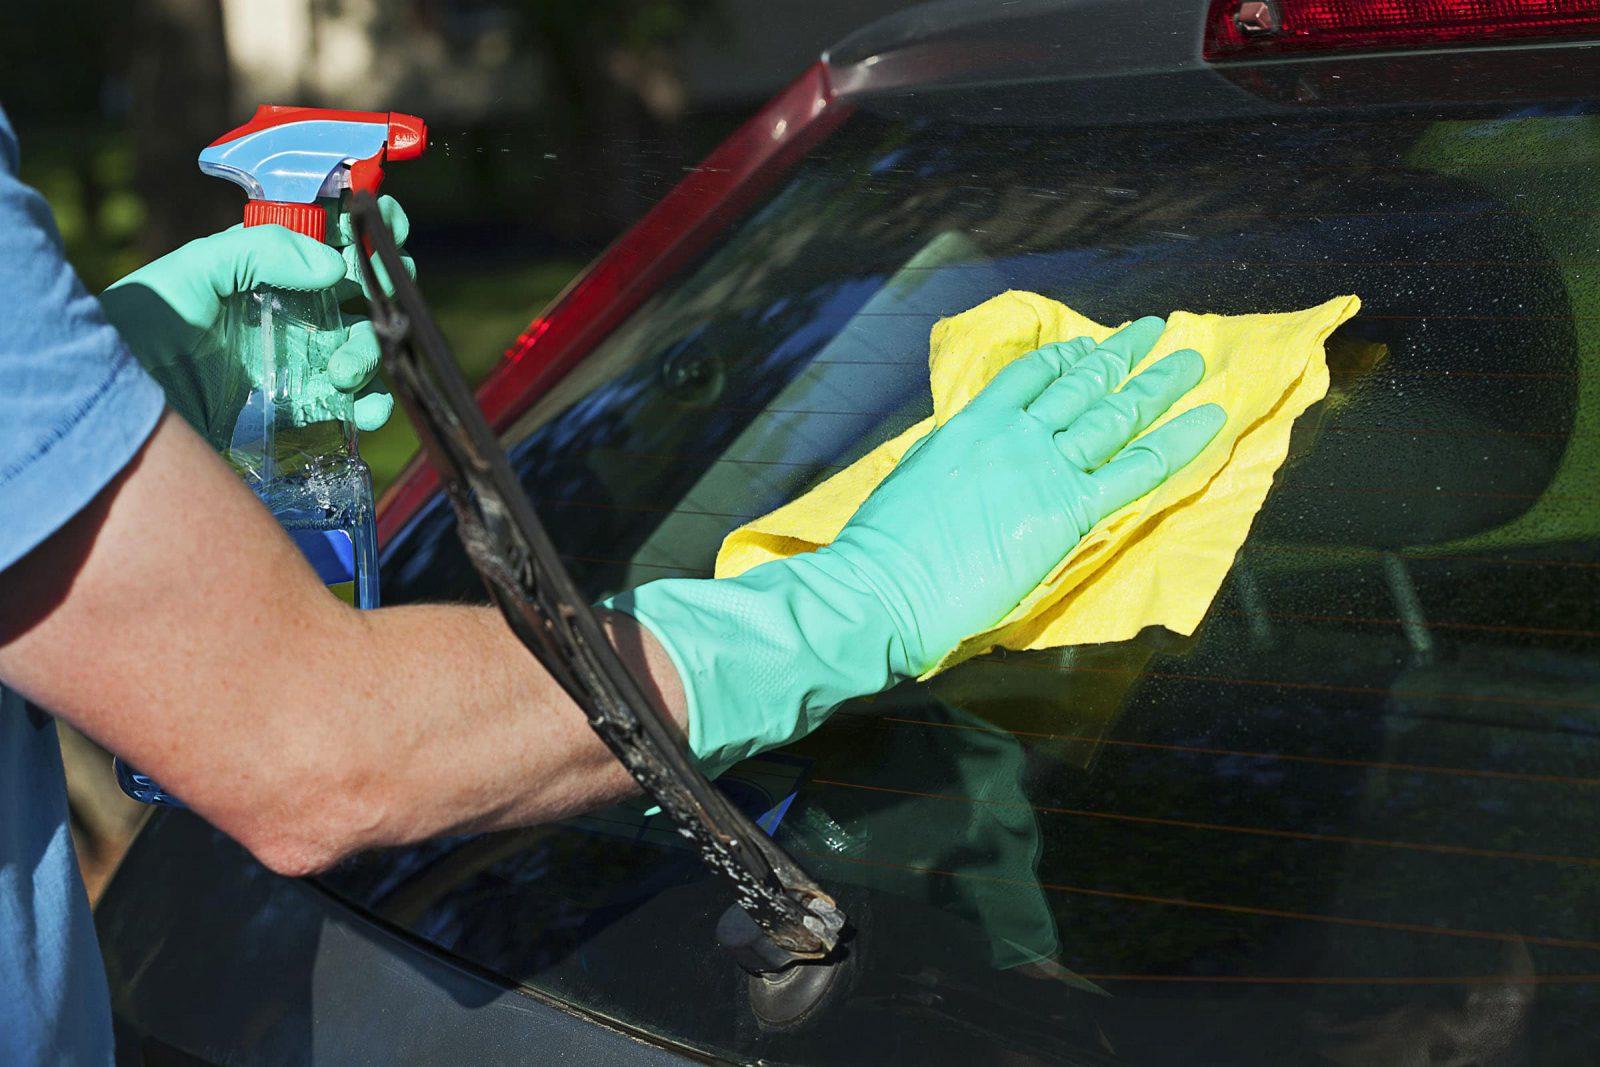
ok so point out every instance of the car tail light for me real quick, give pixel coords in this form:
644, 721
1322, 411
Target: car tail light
686, 220
1237, 29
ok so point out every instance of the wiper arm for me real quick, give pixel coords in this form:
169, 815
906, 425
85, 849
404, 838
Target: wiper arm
516, 559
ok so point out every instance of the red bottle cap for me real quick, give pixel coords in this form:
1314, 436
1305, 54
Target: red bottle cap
309, 219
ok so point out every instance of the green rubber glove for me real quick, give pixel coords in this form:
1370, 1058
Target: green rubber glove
974, 517
168, 313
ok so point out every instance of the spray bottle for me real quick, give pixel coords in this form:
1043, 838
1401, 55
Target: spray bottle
294, 442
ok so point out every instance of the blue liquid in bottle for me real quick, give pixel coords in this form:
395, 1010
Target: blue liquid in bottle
294, 444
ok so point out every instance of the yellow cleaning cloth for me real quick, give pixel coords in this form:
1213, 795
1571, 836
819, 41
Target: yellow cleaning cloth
1161, 559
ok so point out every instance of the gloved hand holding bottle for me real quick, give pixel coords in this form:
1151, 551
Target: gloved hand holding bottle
973, 518
170, 313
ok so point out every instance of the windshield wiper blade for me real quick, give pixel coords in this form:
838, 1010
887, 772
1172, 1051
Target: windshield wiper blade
517, 561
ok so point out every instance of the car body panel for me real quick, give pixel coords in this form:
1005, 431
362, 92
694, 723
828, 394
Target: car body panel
251, 967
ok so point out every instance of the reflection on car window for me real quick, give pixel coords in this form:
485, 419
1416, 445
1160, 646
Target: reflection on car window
1357, 798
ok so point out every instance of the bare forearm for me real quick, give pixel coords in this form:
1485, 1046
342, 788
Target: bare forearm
459, 727
439, 722
174, 623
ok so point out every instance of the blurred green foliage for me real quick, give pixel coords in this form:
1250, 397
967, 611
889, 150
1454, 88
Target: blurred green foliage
87, 178
506, 206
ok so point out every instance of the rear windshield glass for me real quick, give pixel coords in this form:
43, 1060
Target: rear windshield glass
1350, 814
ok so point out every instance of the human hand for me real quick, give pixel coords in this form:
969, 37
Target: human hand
972, 519
981, 510
169, 313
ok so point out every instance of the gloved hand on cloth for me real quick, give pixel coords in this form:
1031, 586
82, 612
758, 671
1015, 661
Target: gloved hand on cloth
167, 312
966, 526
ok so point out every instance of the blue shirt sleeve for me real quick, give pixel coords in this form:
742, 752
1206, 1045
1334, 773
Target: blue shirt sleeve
74, 404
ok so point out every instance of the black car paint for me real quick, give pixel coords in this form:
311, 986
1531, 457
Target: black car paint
252, 967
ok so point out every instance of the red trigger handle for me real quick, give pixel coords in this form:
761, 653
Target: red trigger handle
366, 175
407, 139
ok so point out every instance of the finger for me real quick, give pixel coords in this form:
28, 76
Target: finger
1131, 343
1027, 376
1154, 458
373, 410
1074, 393
355, 284
354, 362
1100, 431
236, 261
1097, 373
389, 210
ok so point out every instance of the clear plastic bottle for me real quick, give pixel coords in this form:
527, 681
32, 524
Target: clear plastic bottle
294, 444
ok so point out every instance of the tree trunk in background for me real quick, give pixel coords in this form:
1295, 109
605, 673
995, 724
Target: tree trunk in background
179, 87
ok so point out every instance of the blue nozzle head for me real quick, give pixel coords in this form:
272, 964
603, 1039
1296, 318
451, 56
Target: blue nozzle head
296, 154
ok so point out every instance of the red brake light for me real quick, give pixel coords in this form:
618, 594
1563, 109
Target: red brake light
1236, 29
